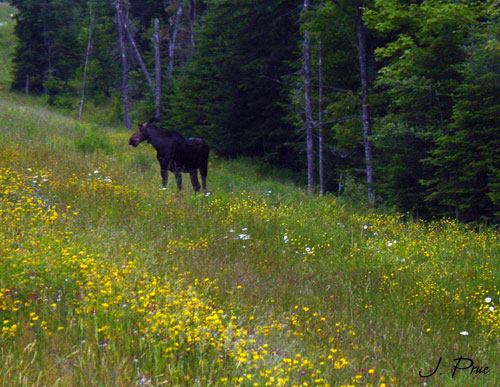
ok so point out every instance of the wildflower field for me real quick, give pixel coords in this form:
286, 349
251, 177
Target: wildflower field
108, 280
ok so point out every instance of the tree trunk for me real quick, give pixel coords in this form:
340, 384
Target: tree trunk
365, 112
157, 90
137, 54
306, 51
174, 27
125, 88
320, 118
27, 84
86, 62
192, 20
45, 13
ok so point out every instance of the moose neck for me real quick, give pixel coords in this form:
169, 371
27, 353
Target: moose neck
155, 136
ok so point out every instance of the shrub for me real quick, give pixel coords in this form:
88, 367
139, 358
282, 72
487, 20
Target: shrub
92, 141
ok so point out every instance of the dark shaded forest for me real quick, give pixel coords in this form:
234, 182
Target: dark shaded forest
399, 97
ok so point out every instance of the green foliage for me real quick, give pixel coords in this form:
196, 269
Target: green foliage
422, 87
231, 91
467, 155
47, 49
93, 140
7, 42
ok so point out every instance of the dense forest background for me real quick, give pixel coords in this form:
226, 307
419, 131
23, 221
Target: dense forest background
401, 97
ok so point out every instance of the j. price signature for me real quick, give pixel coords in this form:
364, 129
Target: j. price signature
460, 364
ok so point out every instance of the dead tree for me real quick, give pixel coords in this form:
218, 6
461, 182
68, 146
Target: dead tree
192, 20
156, 86
157, 90
123, 50
174, 28
306, 52
27, 84
320, 118
362, 35
86, 62
137, 53
365, 111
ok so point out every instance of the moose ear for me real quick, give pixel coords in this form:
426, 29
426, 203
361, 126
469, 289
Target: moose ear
154, 120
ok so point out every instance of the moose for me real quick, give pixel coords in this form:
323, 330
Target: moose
175, 153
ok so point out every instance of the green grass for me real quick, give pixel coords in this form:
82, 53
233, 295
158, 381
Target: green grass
107, 280
317, 276
6, 44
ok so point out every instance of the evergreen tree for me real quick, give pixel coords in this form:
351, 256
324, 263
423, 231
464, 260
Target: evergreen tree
232, 90
416, 88
48, 51
467, 155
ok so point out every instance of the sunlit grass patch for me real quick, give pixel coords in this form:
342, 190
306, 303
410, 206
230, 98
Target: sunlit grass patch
51, 284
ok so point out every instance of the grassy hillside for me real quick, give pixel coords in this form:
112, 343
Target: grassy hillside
108, 280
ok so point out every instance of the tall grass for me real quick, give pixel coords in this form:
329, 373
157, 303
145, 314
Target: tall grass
108, 280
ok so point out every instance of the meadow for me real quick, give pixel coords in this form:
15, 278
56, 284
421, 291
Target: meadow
108, 280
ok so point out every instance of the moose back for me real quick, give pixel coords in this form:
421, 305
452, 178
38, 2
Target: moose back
175, 153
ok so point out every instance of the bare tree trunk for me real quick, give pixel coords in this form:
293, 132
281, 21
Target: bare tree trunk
27, 84
365, 111
320, 117
85, 65
137, 54
192, 20
48, 47
157, 90
306, 51
174, 26
125, 88
156, 87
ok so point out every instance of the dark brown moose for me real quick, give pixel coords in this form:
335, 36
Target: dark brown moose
175, 153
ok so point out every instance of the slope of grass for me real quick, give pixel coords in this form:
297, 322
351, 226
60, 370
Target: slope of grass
108, 280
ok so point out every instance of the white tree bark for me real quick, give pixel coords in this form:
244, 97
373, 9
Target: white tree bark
123, 50
137, 54
320, 117
157, 90
174, 27
365, 111
306, 52
86, 62
192, 20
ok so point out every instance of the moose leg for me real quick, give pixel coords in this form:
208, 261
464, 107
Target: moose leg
204, 167
178, 179
203, 180
194, 180
164, 177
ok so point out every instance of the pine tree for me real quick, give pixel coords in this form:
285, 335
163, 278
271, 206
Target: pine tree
48, 51
467, 155
232, 90
416, 88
